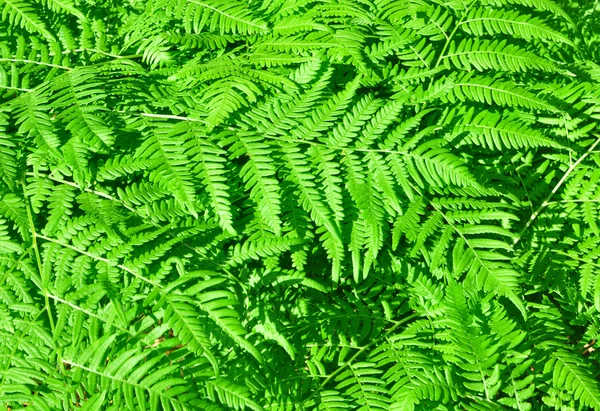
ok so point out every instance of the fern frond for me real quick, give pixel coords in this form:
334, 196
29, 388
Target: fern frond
187, 326
487, 270
212, 172
568, 372
543, 5
491, 130
498, 55
164, 146
482, 21
8, 155
64, 6
310, 198
360, 382
234, 396
492, 92
225, 17
21, 13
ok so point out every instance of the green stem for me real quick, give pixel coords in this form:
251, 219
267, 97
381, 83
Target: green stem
43, 280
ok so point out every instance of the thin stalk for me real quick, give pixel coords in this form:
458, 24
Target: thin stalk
558, 185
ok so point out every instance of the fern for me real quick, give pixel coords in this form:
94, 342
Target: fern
294, 205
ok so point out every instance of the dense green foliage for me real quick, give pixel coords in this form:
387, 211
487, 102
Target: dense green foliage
299, 204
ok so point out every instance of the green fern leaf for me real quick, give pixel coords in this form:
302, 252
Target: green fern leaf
19, 12
234, 396
497, 55
568, 372
489, 91
481, 21
226, 17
